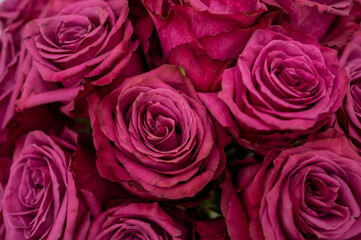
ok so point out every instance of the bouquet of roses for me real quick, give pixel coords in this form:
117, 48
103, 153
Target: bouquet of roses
180, 119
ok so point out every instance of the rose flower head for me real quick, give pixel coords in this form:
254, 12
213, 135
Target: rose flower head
155, 136
41, 200
284, 86
307, 192
86, 41
205, 36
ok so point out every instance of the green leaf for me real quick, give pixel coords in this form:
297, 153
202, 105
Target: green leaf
82, 125
296, 143
210, 208
182, 71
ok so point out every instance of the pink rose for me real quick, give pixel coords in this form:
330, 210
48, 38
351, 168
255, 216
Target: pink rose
205, 36
349, 115
203, 23
86, 41
284, 86
10, 58
312, 16
155, 137
307, 192
13, 15
135, 221
41, 200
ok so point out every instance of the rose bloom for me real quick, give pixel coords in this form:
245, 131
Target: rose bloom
307, 192
284, 86
10, 60
205, 22
135, 221
15, 13
86, 41
312, 16
154, 136
205, 36
349, 115
40, 200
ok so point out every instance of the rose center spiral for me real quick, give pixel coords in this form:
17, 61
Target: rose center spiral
73, 29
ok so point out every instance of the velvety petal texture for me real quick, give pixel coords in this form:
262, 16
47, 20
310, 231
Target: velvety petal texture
349, 115
355, 14
341, 33
284, 86
41, 200
202, 36
203, 21
9, 59
314, 17
307, 192
233, 210
135, 221
13, 15
85, 41
155, 136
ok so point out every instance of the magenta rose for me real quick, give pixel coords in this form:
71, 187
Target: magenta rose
86, 41
206, 23
284, 86
314, 17
135, 221
154, 136
15, 13
307, 192
204, 36
10, 58
41, 200
349, 115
